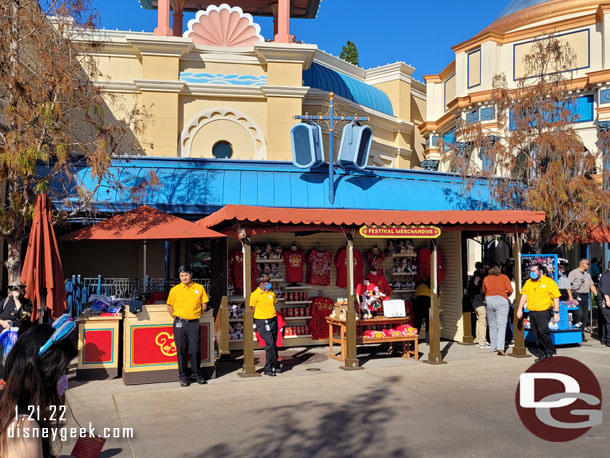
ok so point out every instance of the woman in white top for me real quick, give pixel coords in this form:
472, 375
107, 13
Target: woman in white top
32, 392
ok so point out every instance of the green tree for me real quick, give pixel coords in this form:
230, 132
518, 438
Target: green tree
52, 115
349, 53
534, 159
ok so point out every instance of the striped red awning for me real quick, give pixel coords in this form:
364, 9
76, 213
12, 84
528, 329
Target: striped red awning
470, 219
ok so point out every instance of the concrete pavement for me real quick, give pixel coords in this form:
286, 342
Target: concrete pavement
394, 407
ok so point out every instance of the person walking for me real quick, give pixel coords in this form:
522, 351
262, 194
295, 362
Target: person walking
542, 296
478, 305
185, 303
582, 283
497, 288
603, 305
263, 301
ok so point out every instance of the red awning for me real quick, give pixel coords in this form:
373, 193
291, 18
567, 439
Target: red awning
143, 223
468, 219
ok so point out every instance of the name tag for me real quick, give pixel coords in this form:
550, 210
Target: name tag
196, 291
270, 296
544, 286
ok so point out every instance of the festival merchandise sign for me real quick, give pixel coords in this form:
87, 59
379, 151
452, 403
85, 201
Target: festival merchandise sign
406, 232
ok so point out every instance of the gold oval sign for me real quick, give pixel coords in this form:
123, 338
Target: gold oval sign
400, 232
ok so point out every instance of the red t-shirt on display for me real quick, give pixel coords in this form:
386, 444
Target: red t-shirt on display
236, 271
321, 307
375, 261
294, 260
376, 280
318, 267
341, 265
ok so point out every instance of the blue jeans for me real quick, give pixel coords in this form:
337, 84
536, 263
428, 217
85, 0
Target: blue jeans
497, 318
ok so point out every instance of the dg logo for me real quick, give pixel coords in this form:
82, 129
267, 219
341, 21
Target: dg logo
559, 399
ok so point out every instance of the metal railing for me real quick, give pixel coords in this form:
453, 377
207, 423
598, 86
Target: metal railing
79, 289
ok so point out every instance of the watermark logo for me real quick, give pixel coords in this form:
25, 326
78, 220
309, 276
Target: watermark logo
559, 399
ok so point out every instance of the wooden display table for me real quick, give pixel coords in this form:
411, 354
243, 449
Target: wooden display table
98, 346
150, 352
341, 340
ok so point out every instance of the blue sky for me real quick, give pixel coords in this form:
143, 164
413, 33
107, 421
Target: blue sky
419, 33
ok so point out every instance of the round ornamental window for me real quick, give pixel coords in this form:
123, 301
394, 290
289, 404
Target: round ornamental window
222, 150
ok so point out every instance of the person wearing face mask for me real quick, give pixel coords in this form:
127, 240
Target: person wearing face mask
582, 283
15, 308
32, 398
263, 301
541, 294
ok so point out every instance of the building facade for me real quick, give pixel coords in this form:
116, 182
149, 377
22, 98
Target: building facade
462, 90
209, 94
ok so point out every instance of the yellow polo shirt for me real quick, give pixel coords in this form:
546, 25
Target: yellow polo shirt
187, 300
540, 294
422, 290
263, 303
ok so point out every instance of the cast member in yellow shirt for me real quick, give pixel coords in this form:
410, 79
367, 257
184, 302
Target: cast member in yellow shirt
186, 302
263, 301
542, 296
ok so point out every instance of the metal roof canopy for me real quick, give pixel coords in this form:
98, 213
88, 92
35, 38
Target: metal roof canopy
273, 219
300, 9
198, 187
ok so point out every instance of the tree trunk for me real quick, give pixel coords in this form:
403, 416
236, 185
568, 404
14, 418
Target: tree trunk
13, 260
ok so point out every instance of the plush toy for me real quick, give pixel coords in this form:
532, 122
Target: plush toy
266, 269
402, 247
257, 251
275, 270
371, 301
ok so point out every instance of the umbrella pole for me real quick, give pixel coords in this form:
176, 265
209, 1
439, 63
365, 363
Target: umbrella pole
43, 307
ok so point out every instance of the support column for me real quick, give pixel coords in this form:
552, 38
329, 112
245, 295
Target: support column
467, 339
518, 334
283, 20
163, 9
351, 358
434, 356
249, 370
177, 16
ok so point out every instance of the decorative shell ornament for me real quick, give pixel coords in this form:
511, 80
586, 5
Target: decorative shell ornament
223, 26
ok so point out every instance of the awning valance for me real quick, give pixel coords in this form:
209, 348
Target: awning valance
465, 219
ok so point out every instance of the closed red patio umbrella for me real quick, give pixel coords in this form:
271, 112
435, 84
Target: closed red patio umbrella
42, 272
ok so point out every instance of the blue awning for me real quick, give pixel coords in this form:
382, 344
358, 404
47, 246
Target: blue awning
198, 187
321, 77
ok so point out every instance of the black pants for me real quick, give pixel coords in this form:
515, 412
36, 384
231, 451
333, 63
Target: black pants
421, 311
267, 329
188, 340
539, 323
582, 314
603, 322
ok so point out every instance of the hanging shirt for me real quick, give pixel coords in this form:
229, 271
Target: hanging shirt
423, 266
236, 271
294, 261
341, 265
321, 307
318, 265
375, 261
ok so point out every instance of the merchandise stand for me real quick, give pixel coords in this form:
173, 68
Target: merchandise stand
565, 334
333, 229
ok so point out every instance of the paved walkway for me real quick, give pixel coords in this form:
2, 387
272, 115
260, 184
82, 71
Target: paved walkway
394, 407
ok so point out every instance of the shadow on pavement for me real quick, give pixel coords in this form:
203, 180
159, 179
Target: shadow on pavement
351, 428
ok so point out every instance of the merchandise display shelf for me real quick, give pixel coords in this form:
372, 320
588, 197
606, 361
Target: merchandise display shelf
235, 320
404, 255
276, 280
297, 318
236, 299
297, 302
270, 261
296, 288
403, 290
308, 336
403, 274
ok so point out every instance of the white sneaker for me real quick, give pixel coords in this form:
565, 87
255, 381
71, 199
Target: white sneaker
483, 345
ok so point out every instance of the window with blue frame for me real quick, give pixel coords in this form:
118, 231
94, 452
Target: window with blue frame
581, 110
